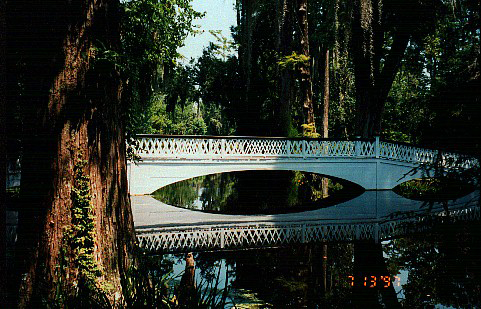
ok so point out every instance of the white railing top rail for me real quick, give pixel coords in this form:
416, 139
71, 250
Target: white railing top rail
160, 147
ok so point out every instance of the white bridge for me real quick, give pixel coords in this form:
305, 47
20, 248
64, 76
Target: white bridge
372, 164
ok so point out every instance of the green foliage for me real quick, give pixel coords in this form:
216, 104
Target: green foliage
84, 290
223, 46
219, 91
152, 31
181, 120
82, 230
81, 234
309, 130
293, 61
396, 136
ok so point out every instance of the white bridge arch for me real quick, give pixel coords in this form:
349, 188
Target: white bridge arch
372, 164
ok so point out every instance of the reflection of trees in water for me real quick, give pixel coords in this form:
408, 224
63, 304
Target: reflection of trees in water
216, 190
253, 192
183, 193
444, 266
371, 288
294, 276
259, 192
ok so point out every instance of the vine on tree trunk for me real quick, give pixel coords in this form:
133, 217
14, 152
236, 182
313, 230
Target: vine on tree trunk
79, 242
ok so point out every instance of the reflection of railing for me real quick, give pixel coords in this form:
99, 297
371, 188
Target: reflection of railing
201, 147
247, 235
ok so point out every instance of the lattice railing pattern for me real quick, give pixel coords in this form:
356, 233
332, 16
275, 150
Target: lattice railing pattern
168, 147
406, 153
270, 235
237, 147
235, 237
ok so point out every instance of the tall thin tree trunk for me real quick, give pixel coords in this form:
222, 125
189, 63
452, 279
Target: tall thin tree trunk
325, 114
324, 267
286, 76
306, 82
325, 119
75, 224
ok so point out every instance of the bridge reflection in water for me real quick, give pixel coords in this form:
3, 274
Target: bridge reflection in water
375, 215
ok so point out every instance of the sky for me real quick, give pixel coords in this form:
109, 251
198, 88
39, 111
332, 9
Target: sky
220, 15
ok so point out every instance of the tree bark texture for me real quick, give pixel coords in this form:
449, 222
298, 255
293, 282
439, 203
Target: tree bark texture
73, 120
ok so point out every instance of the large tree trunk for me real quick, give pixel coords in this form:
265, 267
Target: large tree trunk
75, 224
363, 63
249, 116
372, 83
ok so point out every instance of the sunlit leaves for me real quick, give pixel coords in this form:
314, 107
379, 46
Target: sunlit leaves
293, 61
151, 31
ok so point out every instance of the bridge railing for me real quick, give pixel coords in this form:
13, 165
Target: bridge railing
197, 147
418, 155
237, 147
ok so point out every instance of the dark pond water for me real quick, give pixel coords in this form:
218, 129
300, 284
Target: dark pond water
439, 267
258, 192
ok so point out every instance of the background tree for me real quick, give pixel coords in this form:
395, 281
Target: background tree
377, 25
152, 31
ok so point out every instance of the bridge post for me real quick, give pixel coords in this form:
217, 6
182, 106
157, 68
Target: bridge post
303, 233
377, 148
358, 146
304, 149
376, 233
222, 238
222, 148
